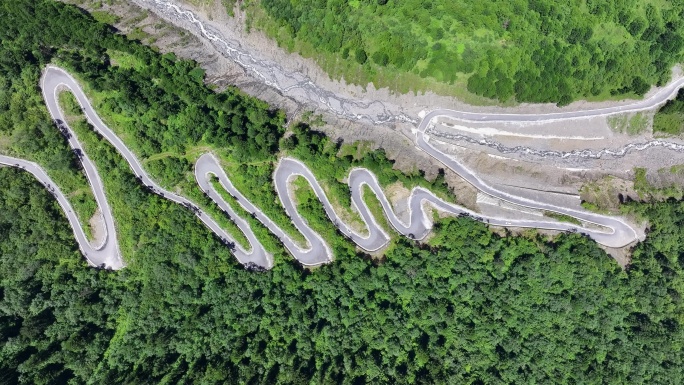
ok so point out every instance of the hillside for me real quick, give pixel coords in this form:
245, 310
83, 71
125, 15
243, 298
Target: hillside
527, 50
469, 306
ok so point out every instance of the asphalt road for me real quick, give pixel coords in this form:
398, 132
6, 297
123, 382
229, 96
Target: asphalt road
616, 233
667, 92
104, 255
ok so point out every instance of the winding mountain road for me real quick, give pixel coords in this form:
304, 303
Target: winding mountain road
612, 232
621, 234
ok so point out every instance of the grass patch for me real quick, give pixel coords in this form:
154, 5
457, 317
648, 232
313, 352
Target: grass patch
267, 240
81, 198
138, 34
562, 218
593, 207
139, 18
630, 124
677, 169
105, 17
670, 118
350, 217
669, 123
637, 124
124, 60
647, 190
356, 151
69, 105
95, 146
376, 209
311, 209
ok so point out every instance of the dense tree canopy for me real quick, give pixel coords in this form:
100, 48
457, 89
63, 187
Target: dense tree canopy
670, 117
468, 307
533, 50
178, 111
471, 307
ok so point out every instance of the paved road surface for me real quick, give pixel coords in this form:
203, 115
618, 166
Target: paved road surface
615, 232
55, 79
103, 255
667, 92
619, 235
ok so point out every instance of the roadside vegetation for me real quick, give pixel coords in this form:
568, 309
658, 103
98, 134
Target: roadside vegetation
82, 199
452, 310
468, 307
375, 208
659, 191
607, 195
630, 124
562, 218
670, 118
266, 238
523, 50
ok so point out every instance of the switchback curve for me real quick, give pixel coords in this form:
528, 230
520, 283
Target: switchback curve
316, 252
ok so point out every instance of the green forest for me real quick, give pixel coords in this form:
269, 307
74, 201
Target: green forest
468, 307
670, 117
523, 50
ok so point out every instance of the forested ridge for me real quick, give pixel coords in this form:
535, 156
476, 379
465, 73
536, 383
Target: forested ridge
468, 307
527, 50
669, 119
